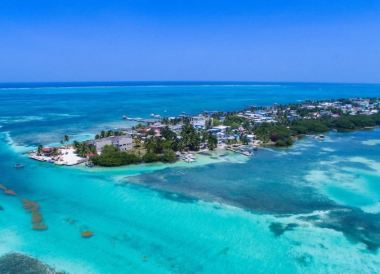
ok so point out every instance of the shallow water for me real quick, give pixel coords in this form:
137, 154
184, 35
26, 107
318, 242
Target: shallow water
300, 210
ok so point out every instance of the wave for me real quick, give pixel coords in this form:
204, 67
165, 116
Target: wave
15, 146
20, 119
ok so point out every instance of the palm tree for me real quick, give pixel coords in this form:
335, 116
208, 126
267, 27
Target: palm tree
66, 138
109, 133
39, 149
212, 142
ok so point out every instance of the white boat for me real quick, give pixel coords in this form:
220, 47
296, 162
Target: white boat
188, 158
247, 153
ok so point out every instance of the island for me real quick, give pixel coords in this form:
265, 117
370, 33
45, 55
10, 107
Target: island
169, 139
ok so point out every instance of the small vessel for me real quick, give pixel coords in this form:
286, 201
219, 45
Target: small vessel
18, 165
320, 137
189, 158
247, 153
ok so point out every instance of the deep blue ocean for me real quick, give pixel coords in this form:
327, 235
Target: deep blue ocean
311, 208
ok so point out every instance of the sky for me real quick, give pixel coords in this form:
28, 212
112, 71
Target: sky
200, 40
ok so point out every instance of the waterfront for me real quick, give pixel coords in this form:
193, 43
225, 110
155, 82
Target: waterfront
302, 209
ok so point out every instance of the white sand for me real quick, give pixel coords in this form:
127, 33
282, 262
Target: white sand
68, 157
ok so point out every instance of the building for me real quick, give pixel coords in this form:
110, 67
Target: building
220, 128
175, 128
47, 151
199, 121
123, 143
251, 137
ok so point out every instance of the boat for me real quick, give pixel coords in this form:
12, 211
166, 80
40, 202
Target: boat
247, 153
155, 115
18, 165
189, 158
320, 137
89, 164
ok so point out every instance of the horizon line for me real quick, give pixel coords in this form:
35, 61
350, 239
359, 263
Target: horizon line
173, 82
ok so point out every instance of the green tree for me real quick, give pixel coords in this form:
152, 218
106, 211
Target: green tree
168, 134
191, 139
212, 142
344, 124
244, 139
150, 157
169, 156
39, 149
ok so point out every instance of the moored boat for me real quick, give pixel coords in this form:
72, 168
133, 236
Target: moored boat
18, 165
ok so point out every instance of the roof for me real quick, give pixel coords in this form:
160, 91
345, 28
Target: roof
220, 127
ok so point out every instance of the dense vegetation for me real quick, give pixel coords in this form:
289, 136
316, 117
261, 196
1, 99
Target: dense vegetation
111, 156
352, 122
277, 134
285, 132
310, 126
83, 149
234, 121
343, 123
108, 133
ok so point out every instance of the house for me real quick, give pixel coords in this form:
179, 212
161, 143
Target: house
220, 128
221, 137
175, 128
47, 151
251, 137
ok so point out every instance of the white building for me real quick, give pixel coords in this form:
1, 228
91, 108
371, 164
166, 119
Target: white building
199, 121
123, 143
220, 128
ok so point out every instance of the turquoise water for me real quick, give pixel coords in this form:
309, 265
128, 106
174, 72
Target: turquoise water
313, 208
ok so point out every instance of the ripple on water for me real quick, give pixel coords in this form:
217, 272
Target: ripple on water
371, 142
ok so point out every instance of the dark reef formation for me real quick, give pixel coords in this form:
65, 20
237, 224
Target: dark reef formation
34, 209
15, 263
278, 228
355, 224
